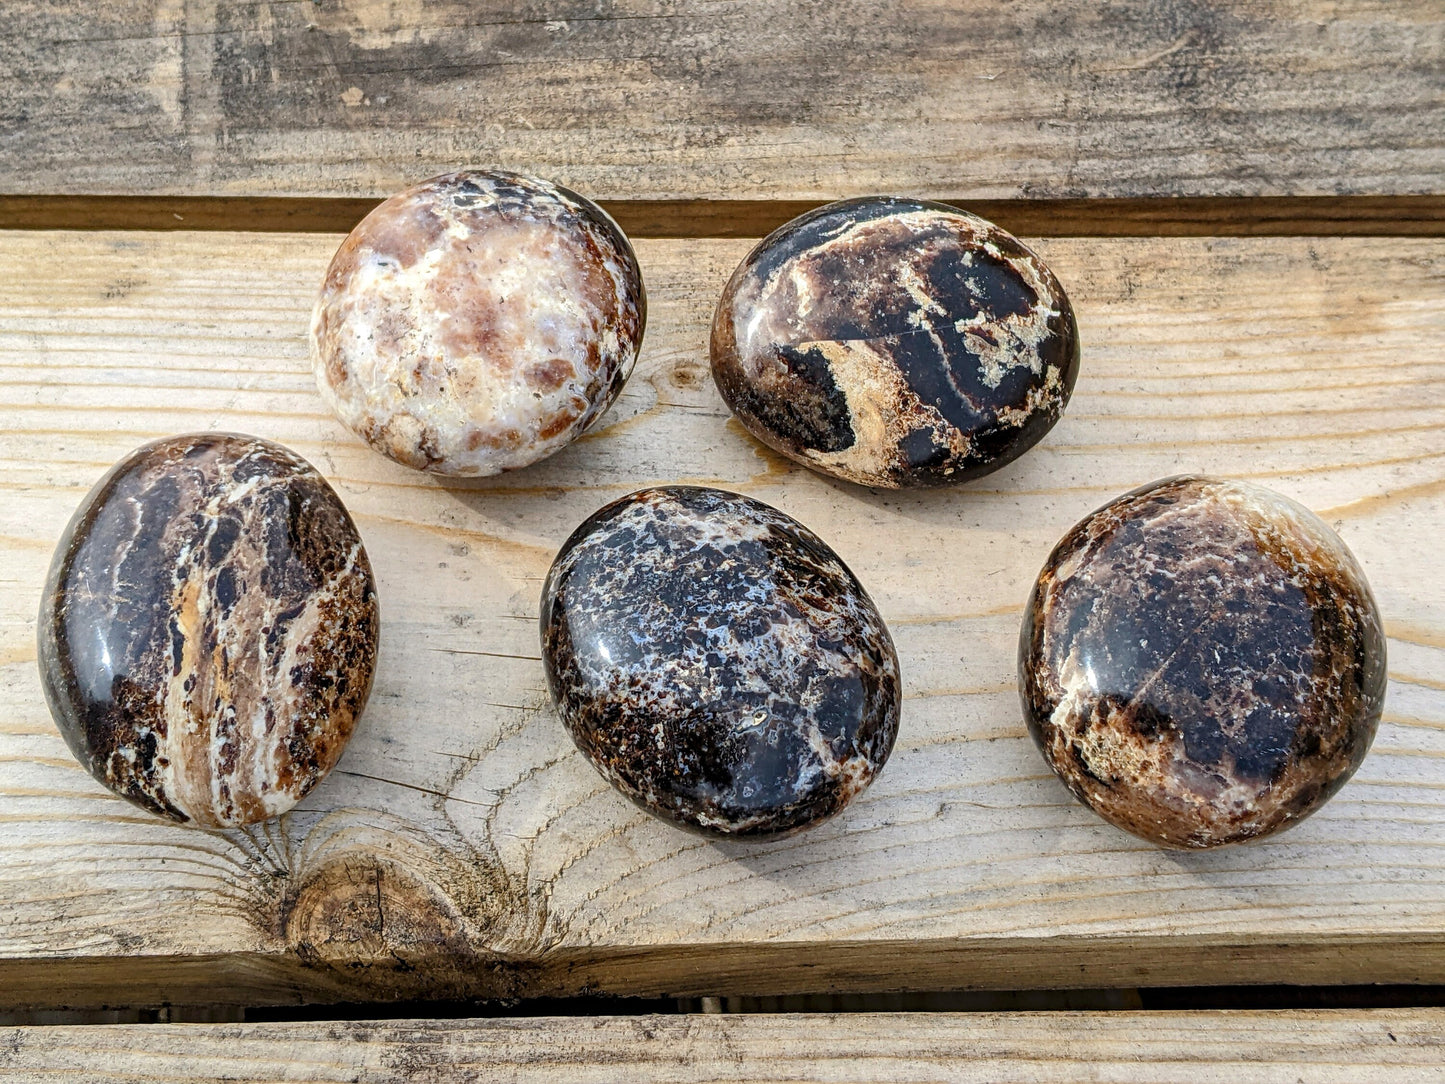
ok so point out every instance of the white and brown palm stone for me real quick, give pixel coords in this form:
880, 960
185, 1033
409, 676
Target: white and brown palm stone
718, 662
208, 632
894, 342
1202, 662
477, 322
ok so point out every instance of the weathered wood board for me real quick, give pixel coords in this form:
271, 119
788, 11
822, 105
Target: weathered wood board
722, 99
464, 847
1339, 1047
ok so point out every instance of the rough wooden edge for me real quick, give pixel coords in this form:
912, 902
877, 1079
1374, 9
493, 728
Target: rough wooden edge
1344, 216
716, 970
1318, 1045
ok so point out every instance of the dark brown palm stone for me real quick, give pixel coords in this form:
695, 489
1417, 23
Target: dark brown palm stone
718, 663
895, 342
209, 627
1202, 662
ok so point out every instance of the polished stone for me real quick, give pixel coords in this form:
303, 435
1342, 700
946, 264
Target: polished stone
718, 663
1202, 662
477, 322
895, 343
208, 630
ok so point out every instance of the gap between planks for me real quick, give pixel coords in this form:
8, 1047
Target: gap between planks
370, 969
1339, 216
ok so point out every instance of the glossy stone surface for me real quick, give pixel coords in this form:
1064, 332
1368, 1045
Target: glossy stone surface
895, 343
718, 663
477, 322
208, 630
1202, 662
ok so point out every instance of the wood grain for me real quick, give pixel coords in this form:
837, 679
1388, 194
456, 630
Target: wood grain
723, 99
463, 847
1396, 1045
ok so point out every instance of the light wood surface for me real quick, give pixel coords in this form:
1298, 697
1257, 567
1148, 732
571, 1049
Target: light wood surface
1380, 1046
464, 847
724, 99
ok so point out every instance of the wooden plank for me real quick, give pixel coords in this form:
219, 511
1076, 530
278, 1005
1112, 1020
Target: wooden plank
721, 99
1395, 1045
463, 847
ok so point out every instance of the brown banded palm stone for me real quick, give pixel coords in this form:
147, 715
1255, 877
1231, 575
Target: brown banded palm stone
1202, 662
718, 663
208, 632
477, 322
894, 342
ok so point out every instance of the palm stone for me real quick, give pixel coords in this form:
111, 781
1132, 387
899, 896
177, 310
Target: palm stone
894, 343
1202, 662
208, 631
717, 662
478, 322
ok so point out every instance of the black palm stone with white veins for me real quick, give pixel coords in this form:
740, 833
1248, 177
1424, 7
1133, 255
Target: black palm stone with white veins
718, 663
895, 343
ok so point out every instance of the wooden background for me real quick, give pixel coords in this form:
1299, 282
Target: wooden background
1246, 204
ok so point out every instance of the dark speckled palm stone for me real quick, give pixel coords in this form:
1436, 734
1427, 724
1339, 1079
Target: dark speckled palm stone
208, 630
1202, 662
893, 342
718, 663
